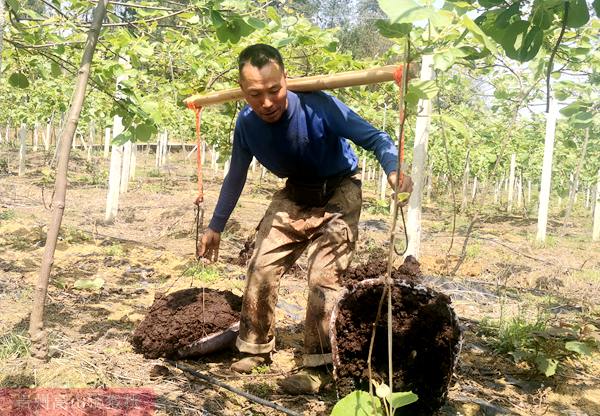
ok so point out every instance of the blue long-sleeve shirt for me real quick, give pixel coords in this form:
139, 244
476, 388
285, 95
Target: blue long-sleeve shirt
307, 144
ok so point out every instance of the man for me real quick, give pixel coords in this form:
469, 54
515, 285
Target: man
302, 137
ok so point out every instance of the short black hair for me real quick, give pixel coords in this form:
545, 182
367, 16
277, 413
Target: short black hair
259, 55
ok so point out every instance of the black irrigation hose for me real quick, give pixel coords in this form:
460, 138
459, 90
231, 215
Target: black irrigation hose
251, 397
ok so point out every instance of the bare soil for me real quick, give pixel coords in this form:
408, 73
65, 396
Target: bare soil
149, 250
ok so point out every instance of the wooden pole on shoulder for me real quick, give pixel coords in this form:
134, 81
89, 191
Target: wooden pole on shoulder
305, 84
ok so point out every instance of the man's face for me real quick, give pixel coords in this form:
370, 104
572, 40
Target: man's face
265, 90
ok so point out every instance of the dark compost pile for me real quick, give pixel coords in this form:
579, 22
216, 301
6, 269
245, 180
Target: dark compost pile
426, 338
181, 318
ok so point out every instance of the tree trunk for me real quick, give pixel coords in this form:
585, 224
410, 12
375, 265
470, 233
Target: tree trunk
596, 225
465, 185
114, 180
576, 176
22, 148
363, 169
39, 340
429, 183
511, 182
2, 24
124, 184
382, 185
418, 174
474, 190
106, 142
545, 183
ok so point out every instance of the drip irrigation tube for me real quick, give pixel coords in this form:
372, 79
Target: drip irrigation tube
251, 397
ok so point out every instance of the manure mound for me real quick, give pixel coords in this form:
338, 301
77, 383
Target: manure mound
178, 319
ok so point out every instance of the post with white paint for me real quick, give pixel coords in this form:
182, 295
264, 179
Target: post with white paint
133, 162
124, 184
363, 169
36, 136
546, 180
106, 142
520, 192
413, 221
22, 148
114, 179
596, 225
511, 181
47, 137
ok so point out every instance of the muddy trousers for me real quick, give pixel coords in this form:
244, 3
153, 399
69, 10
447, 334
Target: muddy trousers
286, 230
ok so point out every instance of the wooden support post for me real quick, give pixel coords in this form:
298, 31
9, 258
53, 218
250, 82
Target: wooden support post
114, 179
546, 179
124, 184
22, 148
413, 221
106, 142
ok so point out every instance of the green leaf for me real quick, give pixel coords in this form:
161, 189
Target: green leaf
217, 19
531, 44
578, 13
256, 23
282, 42
456, 125
490, 3
404, 11
513, 38
55, 69
402, 398
504, 18
89, 284
579, 347
358, 403
143, 132
478, 34
273, 15
13, 5
392, 30
440, 18
596, 5
572, 108
18, 80
122, 138
546, 366
425, 90
582, 119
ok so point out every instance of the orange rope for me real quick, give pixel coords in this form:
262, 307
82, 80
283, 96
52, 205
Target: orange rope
198, 112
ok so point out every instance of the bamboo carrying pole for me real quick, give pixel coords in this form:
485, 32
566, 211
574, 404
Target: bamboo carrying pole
314, 83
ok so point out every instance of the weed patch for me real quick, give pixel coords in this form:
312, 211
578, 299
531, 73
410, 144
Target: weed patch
14, 345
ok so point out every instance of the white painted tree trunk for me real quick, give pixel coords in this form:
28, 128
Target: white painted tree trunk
587, 198
253, 164
596, 223
158, 158
133, 162
22, 148
124, 184
465, 185
203, 154
497, 186
164, 154
429, 183
418, 173
520, 192
546, 179
528, 191
48, 136
474, 190
114, 179
36, 136
106, 142
511, 181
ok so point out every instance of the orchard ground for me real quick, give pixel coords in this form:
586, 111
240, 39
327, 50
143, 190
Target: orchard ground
512, 295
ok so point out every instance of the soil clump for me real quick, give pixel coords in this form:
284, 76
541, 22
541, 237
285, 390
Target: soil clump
426, 336
176, 320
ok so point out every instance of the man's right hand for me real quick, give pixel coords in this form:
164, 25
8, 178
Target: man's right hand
208, 246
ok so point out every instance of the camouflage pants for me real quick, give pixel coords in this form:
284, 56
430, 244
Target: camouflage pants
286, 230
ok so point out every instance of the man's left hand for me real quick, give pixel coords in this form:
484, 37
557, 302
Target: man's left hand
405, 186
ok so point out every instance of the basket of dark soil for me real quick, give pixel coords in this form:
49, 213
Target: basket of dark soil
189, 323
426, 339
